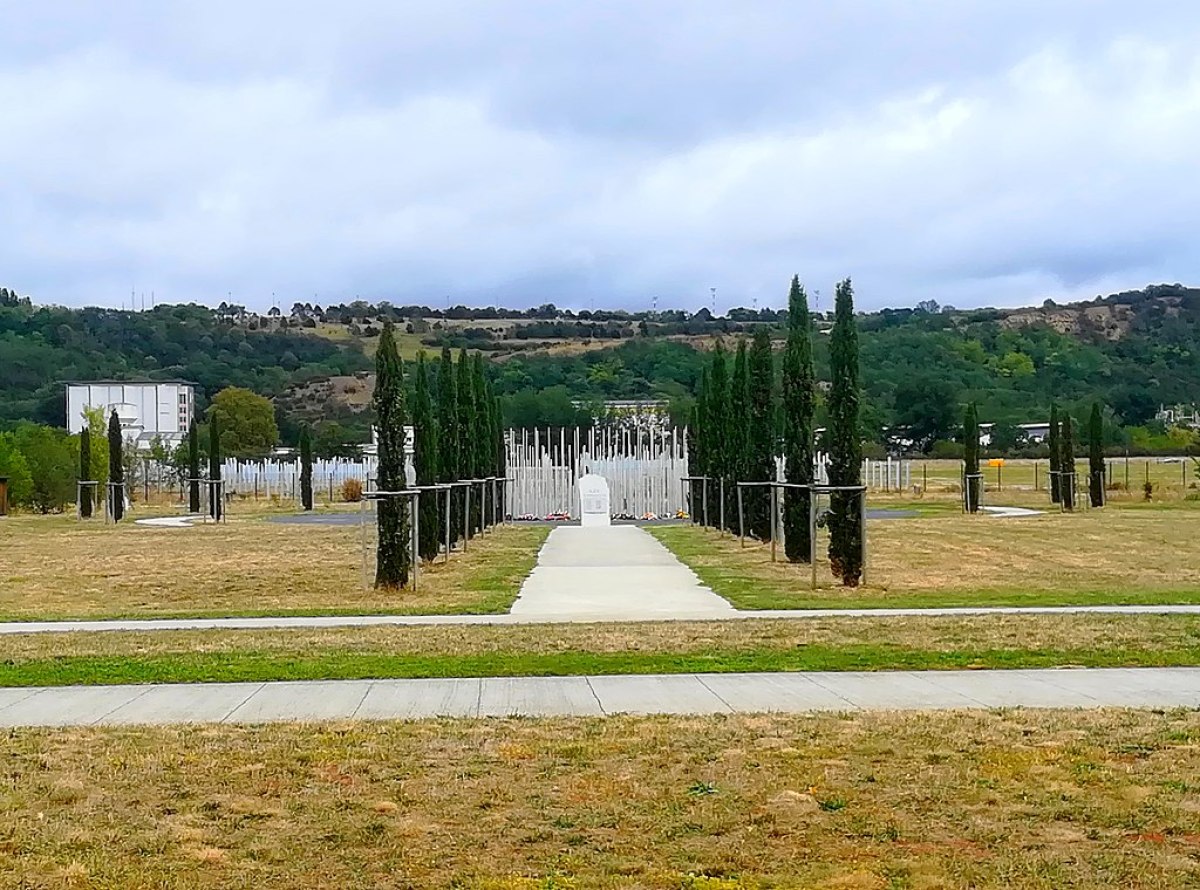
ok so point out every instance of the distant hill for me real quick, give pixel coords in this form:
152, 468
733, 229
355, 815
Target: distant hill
1131, 351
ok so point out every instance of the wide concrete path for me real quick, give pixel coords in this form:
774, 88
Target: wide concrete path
319, 621
618, 572
599, 696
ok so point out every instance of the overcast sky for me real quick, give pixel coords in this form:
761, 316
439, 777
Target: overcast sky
597, 153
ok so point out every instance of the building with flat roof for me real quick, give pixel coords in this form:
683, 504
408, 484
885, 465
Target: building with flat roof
147, 409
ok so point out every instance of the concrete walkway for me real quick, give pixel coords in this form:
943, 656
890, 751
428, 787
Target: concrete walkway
599, 696
619, 572
285, 622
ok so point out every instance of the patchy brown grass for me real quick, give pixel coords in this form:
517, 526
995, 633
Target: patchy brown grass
53, 567
932, 633
1169, 478
1111, 555
1096, 799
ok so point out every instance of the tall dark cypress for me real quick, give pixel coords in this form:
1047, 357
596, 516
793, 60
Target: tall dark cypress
1066, 460
394, 558
85, 473
738, 465
449, 466
1055, 445
501, 460
425, 434
698, 439
845, 452
193, 442
718, 425
465, 431
799, 402
215, 493
116, 468
760, 451
1096, 457
972, 484
306, 488
481, 435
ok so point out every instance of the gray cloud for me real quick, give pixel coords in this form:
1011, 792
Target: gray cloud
597, 153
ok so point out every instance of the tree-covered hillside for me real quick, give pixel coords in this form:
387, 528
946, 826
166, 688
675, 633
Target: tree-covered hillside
43, 346
1132, 352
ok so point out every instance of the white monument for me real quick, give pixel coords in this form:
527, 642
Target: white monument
593, 502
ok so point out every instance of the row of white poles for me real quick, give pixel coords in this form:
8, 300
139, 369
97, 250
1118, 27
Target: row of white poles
643, 468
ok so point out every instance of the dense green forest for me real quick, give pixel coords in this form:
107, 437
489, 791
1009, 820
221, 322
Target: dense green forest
41, 347
1132, 352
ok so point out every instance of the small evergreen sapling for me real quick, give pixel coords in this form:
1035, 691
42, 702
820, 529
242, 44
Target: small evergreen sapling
116, 468
85, 470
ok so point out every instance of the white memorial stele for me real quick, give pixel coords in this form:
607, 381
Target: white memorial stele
594, 509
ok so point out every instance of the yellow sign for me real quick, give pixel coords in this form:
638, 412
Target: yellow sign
996, 462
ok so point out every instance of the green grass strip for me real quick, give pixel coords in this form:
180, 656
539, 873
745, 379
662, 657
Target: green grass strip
254, 666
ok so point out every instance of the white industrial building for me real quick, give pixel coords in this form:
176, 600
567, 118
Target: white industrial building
146, 408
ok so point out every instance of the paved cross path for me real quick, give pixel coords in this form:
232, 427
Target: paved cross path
618, 571
597, 696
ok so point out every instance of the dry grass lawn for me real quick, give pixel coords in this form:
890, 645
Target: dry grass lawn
1113, 555
1093, 799
1144, 633
1171, 478
54, 567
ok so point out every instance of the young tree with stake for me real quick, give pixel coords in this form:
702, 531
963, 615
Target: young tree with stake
1053, 441
760, 453
720, 416
449, 466
845, 452
972, 483
1096, 457
466, 431
215, 495
306, 488
1066, 461
738, 465
393, 559
193, 446
799, 402
429, 532
116, 468
85, 469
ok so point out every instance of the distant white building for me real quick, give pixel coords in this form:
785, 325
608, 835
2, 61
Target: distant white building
146, 408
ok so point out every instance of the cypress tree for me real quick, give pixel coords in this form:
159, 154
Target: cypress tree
481, 435
1066, 460
215, 494
193, 469
393, 559
449, 465
1096, 457
1052, 440
501, 461
425, 433
799, 401
306, 490
116, 467
738, 466
845, 452
760, 453
698, 438
971, 480
465, 428
85, 473
717, 426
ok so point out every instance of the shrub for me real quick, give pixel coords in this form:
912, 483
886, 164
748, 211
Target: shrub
352, 490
